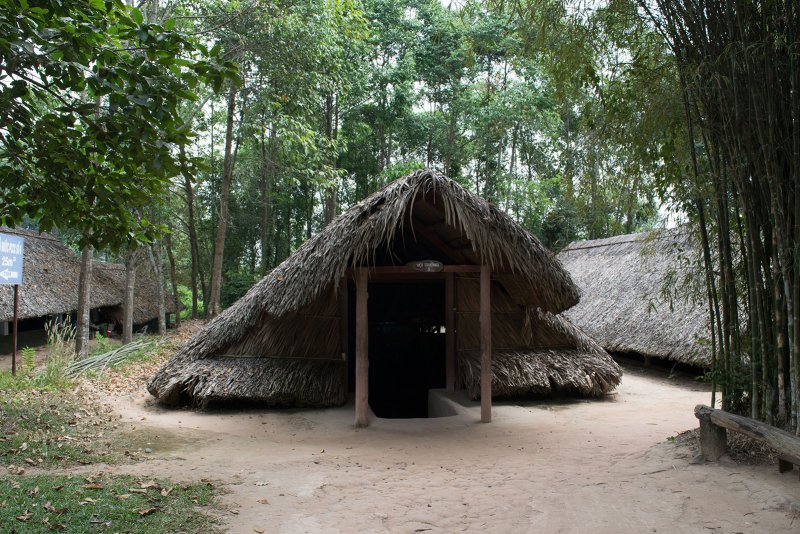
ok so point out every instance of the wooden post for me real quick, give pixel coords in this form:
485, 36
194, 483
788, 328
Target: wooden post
713, 438
344, 331
450, 332
486, 345
362, 349
14, 331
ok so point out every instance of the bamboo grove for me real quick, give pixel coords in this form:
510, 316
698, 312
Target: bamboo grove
738, 66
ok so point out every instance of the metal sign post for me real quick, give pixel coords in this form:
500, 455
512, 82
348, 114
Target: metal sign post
11, 252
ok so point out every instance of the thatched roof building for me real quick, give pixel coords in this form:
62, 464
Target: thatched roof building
50, 283
624, 307
293, 338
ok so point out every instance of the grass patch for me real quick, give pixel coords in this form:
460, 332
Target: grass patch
103, 503
48, 419
49, 428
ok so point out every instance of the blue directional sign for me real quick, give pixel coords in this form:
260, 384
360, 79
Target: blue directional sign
11, 250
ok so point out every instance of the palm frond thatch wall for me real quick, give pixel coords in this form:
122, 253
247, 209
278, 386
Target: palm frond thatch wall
540, 372
624, 307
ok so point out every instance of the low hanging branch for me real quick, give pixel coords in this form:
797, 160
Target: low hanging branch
107, 359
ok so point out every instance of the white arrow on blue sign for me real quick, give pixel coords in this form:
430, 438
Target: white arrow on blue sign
11, 251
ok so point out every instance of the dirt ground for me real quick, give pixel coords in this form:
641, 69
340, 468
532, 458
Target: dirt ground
567, 466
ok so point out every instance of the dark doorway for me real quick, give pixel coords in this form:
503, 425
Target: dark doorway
406, 346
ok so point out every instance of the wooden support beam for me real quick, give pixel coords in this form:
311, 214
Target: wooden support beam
404, 269
362, 349
438, 242
486, 344
344, 328
450, 331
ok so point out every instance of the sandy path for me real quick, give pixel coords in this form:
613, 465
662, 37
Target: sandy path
584, 466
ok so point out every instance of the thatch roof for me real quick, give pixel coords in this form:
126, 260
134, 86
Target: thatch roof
50, 282
623, 306
279, 344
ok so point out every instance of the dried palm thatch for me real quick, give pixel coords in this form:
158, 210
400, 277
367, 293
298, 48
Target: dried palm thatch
292, 315
50, 282
145, 292
534, 353
638, 296
266, 381
541, 372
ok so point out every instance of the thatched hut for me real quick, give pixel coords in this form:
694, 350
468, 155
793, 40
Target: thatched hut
50, 288
453, 283
634, 297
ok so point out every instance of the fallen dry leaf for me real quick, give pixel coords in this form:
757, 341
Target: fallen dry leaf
29, 461
92, 486
24, 517
123, 496
165, 491
48, 506
137, 490
146, 511
263, 501
259, 530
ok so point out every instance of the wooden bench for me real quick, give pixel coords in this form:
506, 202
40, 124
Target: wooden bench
714, 426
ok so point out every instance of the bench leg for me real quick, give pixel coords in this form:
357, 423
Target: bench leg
713, 440
784, 465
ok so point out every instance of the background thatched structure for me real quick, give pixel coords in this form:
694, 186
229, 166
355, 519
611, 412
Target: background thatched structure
50, 283
281, 344
635, 299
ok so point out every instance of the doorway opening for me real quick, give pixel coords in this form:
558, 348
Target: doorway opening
406, 346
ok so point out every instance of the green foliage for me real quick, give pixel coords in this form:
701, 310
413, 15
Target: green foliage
185, 298
69, 503
92, 105
102, 344
235, 286
28, 359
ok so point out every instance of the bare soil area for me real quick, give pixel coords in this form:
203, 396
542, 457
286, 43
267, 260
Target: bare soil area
602, 466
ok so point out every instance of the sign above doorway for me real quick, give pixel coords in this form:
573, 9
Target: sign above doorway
426, 266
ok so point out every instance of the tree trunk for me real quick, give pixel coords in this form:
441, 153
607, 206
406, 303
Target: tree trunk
84, 304
219, 242
174, 280
330, 192
193, 248
128, 304
267, 172
157, 264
